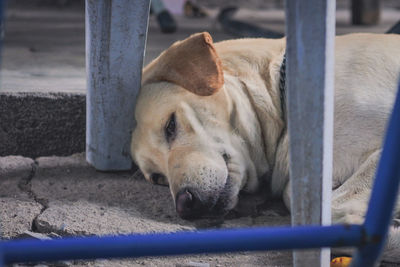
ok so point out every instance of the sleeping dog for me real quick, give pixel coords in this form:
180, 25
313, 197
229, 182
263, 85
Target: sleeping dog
209, 122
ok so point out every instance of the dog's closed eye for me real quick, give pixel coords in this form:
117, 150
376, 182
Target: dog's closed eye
158, 179
170, 129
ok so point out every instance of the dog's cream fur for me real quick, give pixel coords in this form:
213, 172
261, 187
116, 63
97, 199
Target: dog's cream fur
225, 97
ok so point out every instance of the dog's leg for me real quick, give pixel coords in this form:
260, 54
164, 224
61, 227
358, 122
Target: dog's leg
350, 202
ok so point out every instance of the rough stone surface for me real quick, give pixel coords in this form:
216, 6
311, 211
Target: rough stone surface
82, 201
15, 171
72, 179
40, 124
16, 216
82, 217
245, 259
18, 208
64, 196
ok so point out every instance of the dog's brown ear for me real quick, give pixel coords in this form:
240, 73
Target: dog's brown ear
192, 64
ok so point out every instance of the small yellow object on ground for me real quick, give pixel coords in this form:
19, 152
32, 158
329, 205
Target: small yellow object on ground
341, 262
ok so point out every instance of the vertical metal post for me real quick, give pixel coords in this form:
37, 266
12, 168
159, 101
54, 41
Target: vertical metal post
310, 28
116, 33
1, 46
2, 29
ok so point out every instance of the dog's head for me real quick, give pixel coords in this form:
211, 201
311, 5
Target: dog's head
184, 136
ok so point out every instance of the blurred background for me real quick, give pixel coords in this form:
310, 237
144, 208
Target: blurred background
44, 40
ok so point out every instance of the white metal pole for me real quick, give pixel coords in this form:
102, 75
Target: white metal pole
310, 28
116, 33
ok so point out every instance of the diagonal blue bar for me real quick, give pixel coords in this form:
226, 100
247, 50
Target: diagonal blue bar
214, 241
1, 255
384, 193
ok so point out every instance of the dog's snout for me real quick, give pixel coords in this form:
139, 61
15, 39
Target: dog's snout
184, 202
188, 205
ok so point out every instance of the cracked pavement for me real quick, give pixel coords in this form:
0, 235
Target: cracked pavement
49, 197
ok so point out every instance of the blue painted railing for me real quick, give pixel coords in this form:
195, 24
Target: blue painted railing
213, 241
369, 238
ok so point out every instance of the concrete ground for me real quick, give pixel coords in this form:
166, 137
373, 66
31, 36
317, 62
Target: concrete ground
63, 196
53, 197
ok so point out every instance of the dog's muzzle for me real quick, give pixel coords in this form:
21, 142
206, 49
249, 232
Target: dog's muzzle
188, 204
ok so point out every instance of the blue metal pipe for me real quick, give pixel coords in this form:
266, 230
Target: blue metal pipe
214, 241
384, 194
1, 255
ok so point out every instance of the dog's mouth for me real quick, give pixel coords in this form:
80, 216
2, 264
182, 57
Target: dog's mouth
194, 203
214, 206
223, 202
208, 209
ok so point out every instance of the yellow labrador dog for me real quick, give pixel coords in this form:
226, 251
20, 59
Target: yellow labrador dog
210, 124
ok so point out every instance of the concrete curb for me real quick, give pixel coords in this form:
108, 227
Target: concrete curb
42, 124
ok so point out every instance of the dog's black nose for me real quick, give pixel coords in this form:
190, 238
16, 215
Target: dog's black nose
188, 206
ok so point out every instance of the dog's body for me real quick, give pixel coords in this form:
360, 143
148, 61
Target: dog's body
209, 122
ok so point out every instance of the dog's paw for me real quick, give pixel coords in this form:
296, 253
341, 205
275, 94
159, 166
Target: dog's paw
347, 219
392, 249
